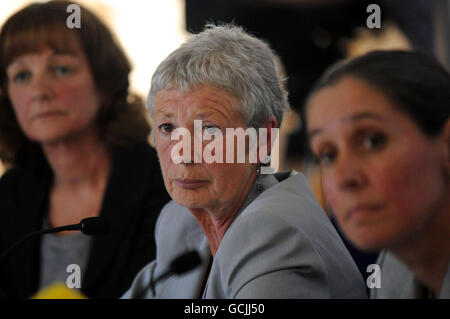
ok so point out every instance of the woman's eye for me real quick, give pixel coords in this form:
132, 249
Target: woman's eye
166, 128
374, 141
326, 157
21, 77
62, 70
211, 130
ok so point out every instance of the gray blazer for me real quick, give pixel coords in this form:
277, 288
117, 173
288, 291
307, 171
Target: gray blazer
280, 245
398, 281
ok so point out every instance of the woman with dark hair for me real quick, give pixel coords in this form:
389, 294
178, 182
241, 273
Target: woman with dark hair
76, 142
379, 127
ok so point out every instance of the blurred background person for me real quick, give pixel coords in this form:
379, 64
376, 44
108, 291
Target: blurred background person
75, 140
259, 235
379, 127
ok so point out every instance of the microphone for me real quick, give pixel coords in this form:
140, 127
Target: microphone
88, 226
94, 226
180, 265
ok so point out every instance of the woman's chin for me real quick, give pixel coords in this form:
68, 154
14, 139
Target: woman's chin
368, 245
58, 133
190, 202
47, 136
369, 241
378, 243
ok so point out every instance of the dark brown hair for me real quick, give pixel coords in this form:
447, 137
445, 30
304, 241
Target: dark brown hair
122, 118
417, 84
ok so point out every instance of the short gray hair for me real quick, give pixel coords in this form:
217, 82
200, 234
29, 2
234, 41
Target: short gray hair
228, 58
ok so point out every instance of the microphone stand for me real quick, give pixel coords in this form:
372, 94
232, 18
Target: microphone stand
180, 265
88, 226
7, 252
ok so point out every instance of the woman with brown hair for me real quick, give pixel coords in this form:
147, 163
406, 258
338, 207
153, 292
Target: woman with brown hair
76, 142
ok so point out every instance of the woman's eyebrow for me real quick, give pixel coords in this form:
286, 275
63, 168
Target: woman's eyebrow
20, 60
353, 118
164, 114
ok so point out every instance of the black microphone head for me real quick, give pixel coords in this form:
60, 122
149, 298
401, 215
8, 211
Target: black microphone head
94, 226
185, 262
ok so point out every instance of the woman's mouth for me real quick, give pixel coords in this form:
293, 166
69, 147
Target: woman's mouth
48, 114
361, 211
189, 183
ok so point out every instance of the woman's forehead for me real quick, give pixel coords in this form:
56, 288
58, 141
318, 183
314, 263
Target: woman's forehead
348, 103
201, 100
347, 97
60, 41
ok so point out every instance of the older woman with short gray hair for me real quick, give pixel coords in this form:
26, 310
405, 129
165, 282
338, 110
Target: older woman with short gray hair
259, 235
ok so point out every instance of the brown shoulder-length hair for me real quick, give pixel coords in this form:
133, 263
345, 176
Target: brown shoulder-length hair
122, 118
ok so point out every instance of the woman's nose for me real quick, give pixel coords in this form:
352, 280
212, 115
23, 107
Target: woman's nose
349, 173
196, 147
41, 86
192, 150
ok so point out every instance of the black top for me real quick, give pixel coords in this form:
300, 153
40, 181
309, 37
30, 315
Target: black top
134, 196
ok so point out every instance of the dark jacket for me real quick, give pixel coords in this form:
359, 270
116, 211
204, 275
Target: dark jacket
133, 199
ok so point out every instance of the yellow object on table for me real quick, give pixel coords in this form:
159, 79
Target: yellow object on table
58, 291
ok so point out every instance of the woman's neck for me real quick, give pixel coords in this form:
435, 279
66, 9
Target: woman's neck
428, 254
82, 160
215, 221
